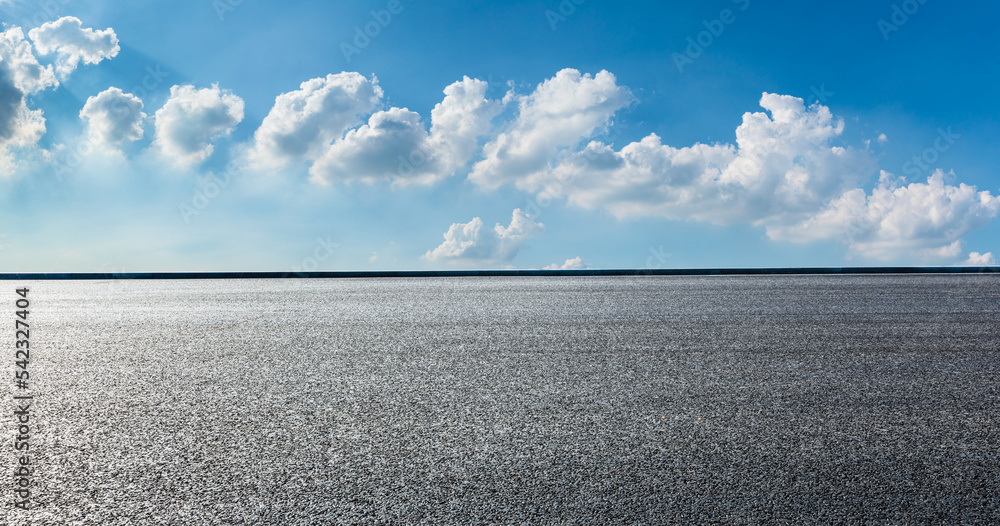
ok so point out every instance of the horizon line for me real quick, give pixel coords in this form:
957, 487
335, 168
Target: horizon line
325, 274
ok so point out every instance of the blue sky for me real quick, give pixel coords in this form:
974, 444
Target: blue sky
228, 135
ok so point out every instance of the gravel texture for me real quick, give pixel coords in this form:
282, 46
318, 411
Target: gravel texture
645, 400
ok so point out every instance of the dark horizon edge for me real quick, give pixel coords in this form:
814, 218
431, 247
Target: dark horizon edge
497, 273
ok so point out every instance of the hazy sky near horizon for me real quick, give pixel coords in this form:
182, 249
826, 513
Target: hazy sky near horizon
401, 134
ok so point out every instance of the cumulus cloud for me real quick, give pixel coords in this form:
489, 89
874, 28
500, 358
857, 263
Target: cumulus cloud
113, 117
782, 167
979, 260
376, 150
785, 173
922, 220
192, 119
570, 264
460, 119
73, 43
395, 146
558, 115
19, 126
21, 65
302, 123
472, 241
20, 75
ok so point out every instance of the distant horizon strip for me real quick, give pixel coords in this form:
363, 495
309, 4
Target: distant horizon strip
497, 273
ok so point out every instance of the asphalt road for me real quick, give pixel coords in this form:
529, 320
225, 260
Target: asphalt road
648, 400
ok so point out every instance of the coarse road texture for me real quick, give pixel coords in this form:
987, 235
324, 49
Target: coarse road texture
543, 400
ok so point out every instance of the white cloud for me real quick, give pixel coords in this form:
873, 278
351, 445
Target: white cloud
302, 123
979, 260
559, 114
460, 119
377, 150
785, 172
395, 146
919, 220
192, 119
782, 168
23, 69
570, 264
73, 43
20, 75
19, 126
113, 117
471, 241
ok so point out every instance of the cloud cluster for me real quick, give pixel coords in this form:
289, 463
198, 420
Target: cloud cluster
979, 260
395, 146
113, 117
923, 220
21, 75
73, 43
192, 119
787, 172
558, 115
473, 242
315, 123
371, 152
302, 123
19, 60
782, 166
320, 124
570, 264
19, 125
